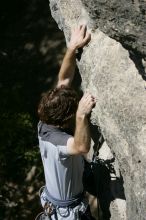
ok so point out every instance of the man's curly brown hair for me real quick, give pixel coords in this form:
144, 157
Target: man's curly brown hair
58, 106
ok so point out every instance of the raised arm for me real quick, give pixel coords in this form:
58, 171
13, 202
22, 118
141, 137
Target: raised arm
80, 143
79, 38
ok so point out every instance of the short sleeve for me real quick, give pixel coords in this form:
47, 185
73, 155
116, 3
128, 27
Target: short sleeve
62, 152
55, 136
61, 144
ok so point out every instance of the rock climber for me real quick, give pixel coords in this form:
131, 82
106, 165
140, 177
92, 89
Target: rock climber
62, 151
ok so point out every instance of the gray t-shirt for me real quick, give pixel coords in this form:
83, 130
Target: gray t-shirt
63, 172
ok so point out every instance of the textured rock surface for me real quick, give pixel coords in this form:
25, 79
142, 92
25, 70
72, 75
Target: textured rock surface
111, 73
123, 20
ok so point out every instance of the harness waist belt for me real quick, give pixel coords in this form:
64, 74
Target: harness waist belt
64, 203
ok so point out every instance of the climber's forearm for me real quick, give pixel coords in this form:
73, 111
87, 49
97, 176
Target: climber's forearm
67, 70
79, 38
82, 136
80, 143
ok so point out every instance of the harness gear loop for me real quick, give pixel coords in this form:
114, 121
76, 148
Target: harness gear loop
49, 208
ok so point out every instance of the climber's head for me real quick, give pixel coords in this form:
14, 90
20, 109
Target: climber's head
58, 107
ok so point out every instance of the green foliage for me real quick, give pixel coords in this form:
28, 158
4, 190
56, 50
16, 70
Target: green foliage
17, 137
26, 71
19, 154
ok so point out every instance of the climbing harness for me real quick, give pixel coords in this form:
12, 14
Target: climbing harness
56, 207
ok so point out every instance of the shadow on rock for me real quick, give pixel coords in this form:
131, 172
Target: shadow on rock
100, 178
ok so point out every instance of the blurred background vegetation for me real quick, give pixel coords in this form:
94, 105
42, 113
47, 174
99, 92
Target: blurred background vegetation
31, 50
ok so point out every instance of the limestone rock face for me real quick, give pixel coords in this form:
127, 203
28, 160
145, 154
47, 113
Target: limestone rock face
115, 75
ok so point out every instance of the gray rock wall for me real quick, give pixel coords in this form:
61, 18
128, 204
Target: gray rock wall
112, 71
122, 20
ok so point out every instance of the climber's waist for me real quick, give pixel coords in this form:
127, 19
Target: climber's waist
64, 203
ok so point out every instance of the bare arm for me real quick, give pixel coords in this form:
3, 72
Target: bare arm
80, 144
79, 38
67, 69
